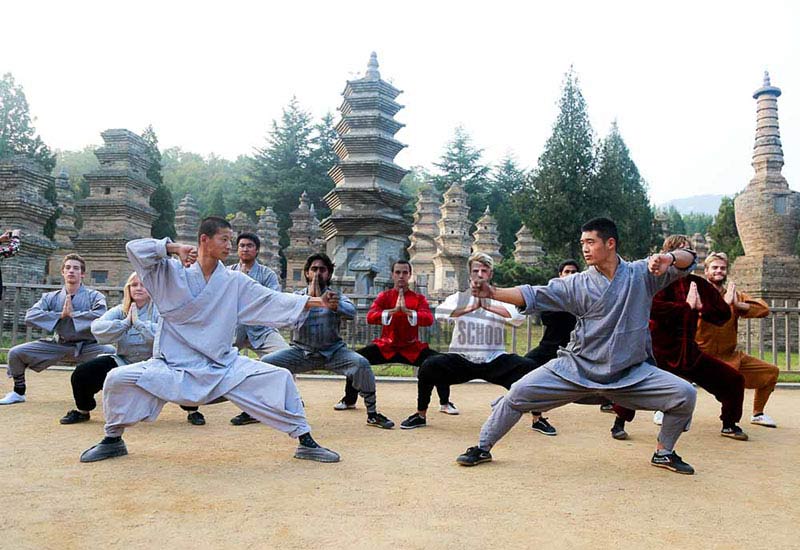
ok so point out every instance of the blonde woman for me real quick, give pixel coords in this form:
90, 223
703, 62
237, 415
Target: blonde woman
131, 327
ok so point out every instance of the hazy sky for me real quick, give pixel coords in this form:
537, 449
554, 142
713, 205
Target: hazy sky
210, 76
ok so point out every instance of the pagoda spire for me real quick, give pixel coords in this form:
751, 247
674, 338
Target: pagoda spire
372, 67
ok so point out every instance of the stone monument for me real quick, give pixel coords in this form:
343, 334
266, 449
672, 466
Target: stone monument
768, 212
187, 220
23, 206
269, 254
486, 237
65, 226
117, 209
423, 237
527, 250
302, 243
453, 243
701, 247
366, 221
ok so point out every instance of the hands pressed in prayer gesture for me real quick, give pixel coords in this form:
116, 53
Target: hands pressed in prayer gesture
133, 313
693, 297
66, 311
314, 289
481, 288
730, 294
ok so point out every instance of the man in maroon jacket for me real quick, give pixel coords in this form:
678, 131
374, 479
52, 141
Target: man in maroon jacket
673, 323
401, 312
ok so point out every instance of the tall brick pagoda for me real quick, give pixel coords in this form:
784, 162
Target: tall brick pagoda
453, 243
423, 237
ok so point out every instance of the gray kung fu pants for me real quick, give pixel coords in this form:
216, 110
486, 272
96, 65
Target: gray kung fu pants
40, 354
542, 390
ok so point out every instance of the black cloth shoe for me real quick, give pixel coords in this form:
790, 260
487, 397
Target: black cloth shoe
474, 456
618, 430
102, 451
734, 432
544, 427
242, 419
380, 421
196, 418
607, 408
672, 462
74, 416
413, 421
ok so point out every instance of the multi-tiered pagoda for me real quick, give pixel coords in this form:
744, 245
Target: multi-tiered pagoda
117, 209
65, 225
486, 238
366, 224
423, 237
187, 220
453, 243
269, 254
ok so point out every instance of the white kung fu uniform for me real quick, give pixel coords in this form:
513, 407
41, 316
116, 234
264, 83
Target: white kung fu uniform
193, 360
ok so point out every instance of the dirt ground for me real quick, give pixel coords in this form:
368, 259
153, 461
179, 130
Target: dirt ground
222, 486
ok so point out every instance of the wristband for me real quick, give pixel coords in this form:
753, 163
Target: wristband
674, 259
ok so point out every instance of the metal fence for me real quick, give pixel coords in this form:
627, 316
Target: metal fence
774, 338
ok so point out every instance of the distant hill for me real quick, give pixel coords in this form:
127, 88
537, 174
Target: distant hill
700, 204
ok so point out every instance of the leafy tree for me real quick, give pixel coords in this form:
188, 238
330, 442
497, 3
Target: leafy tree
620, 193
723, 231
417, 177
17, 134
77, 164
506, 180
676, 223
161, 199
697, 222
463, 162
217, 207
553, 203
510, 273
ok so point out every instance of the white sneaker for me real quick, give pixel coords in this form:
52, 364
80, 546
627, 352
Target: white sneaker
763, 420
12, 398
450, 408
658, 418
342, 406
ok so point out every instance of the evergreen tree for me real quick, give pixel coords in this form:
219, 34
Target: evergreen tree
554, 203
17, 134
161, 199
620, 194
217, 206
507, 179
723, 231
697, 222
463, 162
676, 223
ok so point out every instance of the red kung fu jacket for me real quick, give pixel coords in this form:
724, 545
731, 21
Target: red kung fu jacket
673, 323
399, 336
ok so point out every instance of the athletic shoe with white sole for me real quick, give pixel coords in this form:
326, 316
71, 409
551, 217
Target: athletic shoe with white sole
544, 427
618, 430
671, 462
763, 420
413, 421
12, 398
449, 408
379, 421
658, 418
342, 406
734, 432
474, 456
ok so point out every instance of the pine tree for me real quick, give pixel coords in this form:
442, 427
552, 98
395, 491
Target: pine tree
463, 162
17, 134
506, 180
161, 199
217, 206
554, 203
620, 194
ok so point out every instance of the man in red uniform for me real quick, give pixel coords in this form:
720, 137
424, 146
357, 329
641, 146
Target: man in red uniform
401, 312
673, 323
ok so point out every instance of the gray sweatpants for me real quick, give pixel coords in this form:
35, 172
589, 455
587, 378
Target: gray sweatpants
542, 390
344, 361
270, 397
40, 354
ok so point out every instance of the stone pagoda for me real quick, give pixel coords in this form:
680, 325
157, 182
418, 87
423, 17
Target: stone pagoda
187, 220
65, 225
117, 209
700, 246
269, 254
423, 238
486, 238
23, 184
527, 250
452, 243
768, 212
366, 224
318, 241
302, 243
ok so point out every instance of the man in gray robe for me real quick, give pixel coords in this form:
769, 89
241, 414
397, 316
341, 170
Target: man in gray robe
193, 362
68, 313
609, 354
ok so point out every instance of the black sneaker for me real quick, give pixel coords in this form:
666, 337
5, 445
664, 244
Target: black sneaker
607, 408
196, 418
474, 456
618, 430
243, 419
671, 462
413, 421
734, 432
544, 427
380, 421
74, 417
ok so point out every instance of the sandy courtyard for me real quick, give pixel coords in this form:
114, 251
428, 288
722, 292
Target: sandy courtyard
220, 486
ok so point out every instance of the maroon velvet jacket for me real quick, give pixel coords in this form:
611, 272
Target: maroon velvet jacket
673, 323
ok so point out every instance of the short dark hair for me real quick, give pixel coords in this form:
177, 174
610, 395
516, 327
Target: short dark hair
565, 263
318, 256
77, 257
211, 225
606, 228
250, 237
406, 262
